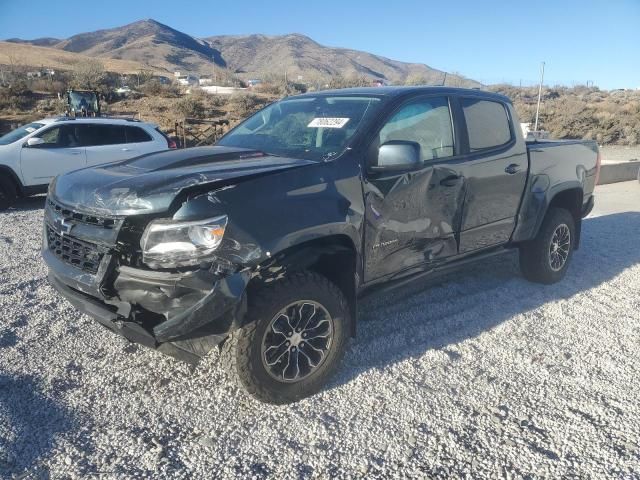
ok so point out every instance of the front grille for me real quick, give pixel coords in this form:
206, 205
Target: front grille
77, 253
103, 222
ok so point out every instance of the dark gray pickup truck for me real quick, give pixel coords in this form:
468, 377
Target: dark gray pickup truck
263, 244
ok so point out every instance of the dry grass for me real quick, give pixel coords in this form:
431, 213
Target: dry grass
16, 55
610, 118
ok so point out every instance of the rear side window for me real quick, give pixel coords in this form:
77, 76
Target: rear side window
137, 135
96, 135
487, 123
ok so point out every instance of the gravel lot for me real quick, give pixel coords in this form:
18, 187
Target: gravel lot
479, 375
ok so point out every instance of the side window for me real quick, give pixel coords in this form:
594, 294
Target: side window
137, 135
487, 123
113, 134
63, 136
51, 137
426, 121
96, 135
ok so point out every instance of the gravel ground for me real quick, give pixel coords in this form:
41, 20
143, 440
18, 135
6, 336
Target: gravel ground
477, 375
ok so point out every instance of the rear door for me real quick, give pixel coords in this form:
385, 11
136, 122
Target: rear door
106, 143
495, 172
60, 153
413, 217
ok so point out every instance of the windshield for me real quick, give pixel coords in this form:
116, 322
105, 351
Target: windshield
311, 128
19, 133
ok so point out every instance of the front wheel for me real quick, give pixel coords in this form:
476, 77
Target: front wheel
7, 193
545, 259
294, 339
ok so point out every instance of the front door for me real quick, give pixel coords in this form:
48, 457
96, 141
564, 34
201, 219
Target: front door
413, 217
60, 152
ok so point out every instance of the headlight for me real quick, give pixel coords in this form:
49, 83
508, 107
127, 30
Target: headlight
167, 244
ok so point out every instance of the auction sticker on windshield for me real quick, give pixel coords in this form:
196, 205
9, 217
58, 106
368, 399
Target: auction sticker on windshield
328, 122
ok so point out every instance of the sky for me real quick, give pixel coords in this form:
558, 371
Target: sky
490, 41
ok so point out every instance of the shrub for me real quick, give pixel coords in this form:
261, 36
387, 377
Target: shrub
243, 104
16, 96
190, 107
580, 112
153, 88
275, 89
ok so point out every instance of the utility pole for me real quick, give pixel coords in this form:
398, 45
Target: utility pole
535, 128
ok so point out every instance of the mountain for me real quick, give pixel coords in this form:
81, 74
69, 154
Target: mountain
299, 55
161, 47
147, 42
38, 42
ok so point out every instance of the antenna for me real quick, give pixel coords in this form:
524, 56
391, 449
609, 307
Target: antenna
535, 128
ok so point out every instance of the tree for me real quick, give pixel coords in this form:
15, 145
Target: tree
90, 75
143, 76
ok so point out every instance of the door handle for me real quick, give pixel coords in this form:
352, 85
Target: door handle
513, 168
126, 149
451, 181
76, 152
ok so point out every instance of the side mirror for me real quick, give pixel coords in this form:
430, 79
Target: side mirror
398, 155
34, 142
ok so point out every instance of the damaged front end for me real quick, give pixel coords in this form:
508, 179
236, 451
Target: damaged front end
120, 247
182, 312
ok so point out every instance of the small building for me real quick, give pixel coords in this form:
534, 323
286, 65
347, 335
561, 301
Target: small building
205, 80
188, 80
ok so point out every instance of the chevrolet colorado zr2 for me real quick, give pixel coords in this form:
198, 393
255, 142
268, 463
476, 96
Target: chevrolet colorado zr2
263, 243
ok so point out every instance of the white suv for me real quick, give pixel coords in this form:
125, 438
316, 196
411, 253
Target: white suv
33, 154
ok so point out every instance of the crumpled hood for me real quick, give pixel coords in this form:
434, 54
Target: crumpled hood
149, 183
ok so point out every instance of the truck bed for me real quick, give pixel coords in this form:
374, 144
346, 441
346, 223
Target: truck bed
561, 161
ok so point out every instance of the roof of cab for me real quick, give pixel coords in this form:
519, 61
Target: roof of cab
408, 90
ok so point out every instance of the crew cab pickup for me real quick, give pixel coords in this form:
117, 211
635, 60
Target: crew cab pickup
263, 244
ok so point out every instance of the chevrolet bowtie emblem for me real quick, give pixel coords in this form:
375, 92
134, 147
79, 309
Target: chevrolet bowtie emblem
63, 226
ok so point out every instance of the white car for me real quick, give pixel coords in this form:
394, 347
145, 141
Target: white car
32, 155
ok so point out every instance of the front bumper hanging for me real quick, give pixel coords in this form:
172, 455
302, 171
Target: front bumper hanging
180, 314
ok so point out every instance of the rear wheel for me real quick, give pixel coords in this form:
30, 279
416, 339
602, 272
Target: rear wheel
8, 193
545, 259
294, 339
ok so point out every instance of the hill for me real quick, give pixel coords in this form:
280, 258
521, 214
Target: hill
299, 55
161, 47
30, 56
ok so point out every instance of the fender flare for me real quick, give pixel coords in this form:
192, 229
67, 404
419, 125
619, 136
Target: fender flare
306, 255
535, 209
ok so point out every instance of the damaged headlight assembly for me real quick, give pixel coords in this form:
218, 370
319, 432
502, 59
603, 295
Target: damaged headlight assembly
169, 244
